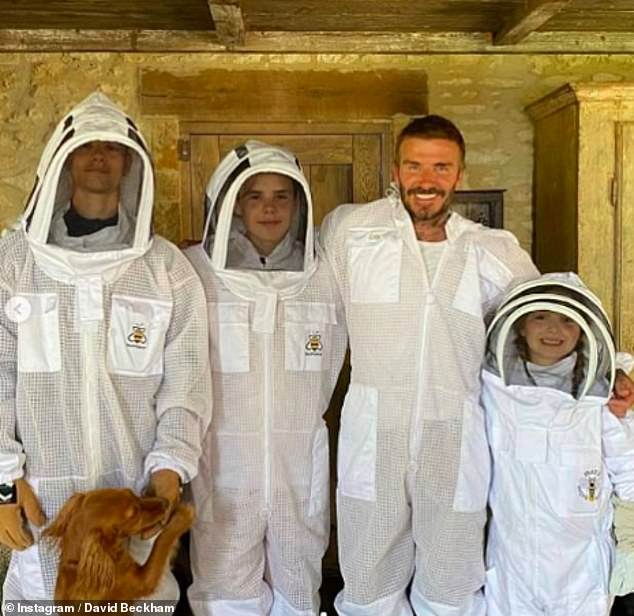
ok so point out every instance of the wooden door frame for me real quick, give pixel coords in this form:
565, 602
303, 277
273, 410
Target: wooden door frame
188, 129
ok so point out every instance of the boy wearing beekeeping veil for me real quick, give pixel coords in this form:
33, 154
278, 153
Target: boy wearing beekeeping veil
96, 316
559, 455
277, 343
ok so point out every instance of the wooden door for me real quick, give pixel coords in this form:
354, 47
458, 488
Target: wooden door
624, 234
347, 162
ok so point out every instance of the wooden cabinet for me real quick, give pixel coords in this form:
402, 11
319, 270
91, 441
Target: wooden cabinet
584, 192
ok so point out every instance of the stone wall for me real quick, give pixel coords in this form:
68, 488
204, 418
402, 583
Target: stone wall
484, 94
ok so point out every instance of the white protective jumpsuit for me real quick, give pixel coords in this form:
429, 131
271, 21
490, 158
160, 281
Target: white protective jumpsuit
557, 460
277, 345
413, 464
104, 369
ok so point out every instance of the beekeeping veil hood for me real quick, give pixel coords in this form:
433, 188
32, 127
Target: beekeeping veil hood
96, 118
564, 294
293, 261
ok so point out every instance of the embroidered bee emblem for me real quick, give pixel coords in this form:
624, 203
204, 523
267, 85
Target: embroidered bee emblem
589, 485
314, 345
375, 236
137, 338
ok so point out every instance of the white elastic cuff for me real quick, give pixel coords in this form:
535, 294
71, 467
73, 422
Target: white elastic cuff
395, 605
156, 462
474, 605
11, 467
624, 361
239, 607
281, 607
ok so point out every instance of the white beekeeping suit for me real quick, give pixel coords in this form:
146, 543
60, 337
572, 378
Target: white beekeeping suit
104, 373
412, 458
558, 456
277, 345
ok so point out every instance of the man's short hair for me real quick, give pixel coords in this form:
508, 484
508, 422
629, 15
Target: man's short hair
431, 127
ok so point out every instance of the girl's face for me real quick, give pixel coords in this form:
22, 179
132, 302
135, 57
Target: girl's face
550, 336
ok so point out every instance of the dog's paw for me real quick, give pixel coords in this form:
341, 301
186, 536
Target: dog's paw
182, 518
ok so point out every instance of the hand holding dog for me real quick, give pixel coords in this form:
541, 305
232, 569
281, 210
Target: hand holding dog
622, 396
14, 532
165, 484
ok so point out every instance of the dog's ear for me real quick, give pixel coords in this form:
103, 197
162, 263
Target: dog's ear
96, 569
57, 529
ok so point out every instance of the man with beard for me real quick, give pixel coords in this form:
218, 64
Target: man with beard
418, 282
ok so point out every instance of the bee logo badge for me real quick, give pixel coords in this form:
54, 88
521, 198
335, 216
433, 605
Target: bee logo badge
589, 485
313, 344
137, 337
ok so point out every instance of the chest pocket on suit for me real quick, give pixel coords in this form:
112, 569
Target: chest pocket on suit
229, 331
581, 481
374, 265
137, 335
38, 334
308, 335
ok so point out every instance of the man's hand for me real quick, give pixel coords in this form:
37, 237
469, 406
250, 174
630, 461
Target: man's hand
622, 396
165, 484
14, 532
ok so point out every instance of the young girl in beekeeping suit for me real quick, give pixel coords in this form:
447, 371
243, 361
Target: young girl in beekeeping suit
559, 455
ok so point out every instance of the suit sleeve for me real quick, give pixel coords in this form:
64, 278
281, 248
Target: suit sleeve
183, 403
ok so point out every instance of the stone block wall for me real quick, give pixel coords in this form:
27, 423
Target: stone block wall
484, 94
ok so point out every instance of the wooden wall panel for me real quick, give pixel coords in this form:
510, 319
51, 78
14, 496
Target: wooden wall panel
204, 159
321, 149
368, 185
255, 95
330, 187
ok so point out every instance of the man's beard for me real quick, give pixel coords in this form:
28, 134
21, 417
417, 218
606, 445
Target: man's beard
433, 218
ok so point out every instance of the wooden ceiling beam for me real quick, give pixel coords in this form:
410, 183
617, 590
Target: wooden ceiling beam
384, 43
527, 19
228, 21
64, 40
